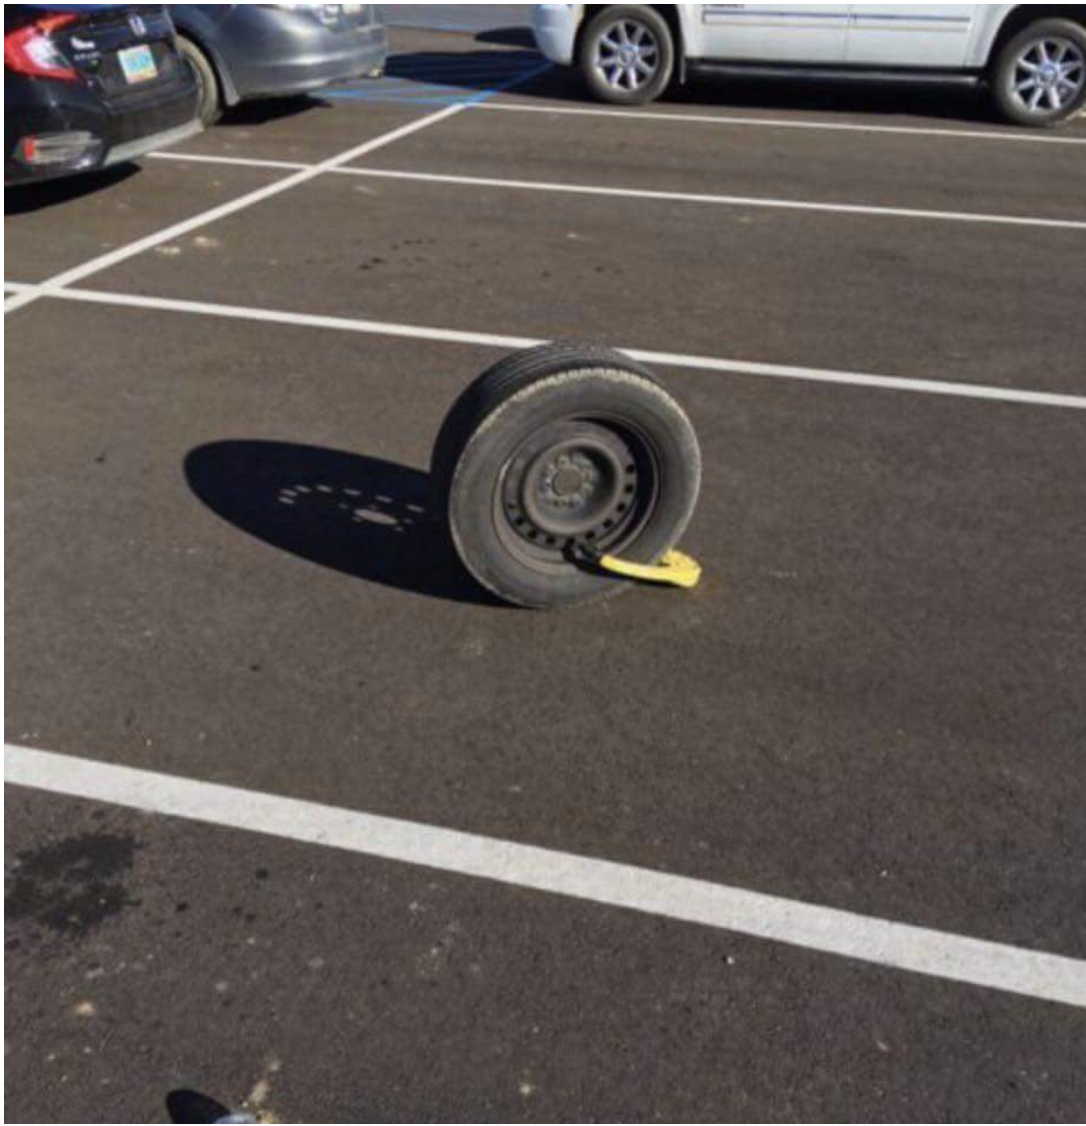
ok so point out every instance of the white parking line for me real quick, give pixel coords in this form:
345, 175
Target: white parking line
725, 200
669, 196
881, 942
786, 123
122, 253
493, 340
240, 161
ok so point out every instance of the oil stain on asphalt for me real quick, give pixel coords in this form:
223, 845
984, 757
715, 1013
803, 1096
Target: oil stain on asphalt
72, 886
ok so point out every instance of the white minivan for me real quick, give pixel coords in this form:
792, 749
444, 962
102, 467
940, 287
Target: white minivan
1032, 57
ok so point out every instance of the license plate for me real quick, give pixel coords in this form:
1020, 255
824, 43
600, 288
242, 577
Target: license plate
137, 64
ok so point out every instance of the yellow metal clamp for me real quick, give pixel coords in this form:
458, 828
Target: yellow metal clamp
674, 569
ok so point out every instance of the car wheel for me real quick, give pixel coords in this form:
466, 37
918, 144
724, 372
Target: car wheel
210, 103
627, 55
556, 456
1039, 76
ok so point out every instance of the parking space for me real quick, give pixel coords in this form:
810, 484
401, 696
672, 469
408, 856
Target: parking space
633, 256
888, 170
440, 999
845, 643
112, 210
224, 565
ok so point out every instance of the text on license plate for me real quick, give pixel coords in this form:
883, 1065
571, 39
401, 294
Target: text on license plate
137, 64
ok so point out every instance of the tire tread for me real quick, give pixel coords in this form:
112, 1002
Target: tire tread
506, 378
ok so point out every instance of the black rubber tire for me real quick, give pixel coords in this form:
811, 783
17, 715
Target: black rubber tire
514, 399
657, 25
1001, 74
210, 105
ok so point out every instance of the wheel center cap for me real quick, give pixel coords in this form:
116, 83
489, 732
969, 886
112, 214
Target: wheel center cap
567, 481
628, 55
1049, 74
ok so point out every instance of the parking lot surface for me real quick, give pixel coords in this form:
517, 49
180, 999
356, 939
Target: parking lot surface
224, 566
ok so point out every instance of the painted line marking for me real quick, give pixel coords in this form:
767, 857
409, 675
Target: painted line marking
675, 197
240, 161
123, 253
413, 93
827, 930
243, 161
277, 187
494, 340
1024, 137
421, 89
724, 200
469, 95
398, 99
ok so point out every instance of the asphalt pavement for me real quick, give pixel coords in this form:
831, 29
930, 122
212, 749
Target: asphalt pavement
224, 564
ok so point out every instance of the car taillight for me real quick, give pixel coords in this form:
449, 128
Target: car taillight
76, 149
29, 50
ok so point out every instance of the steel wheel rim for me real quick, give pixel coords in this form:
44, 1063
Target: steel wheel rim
1048, 75
627, 55
572, 486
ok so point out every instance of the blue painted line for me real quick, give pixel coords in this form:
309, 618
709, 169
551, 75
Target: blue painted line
409, 93
531, 73
379, 88
421, 91
390, 98
383, 93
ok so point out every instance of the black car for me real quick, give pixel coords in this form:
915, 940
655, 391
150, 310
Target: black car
245, 51
87, 86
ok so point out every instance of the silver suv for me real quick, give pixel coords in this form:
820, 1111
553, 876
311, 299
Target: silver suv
1032, 58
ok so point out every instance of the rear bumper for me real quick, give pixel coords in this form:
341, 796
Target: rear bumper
116, 135
274, 54
130, 150
555, 29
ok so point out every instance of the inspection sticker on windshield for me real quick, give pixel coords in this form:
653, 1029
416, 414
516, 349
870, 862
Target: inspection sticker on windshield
138, 64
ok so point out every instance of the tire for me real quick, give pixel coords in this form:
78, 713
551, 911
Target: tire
557, 454
649, 47
1026, 96
210, 103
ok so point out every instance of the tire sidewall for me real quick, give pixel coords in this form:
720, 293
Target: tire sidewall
610, 395
209, 106
1002, 78
652, 90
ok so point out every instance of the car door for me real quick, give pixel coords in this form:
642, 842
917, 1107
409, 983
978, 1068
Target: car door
910, 35
787, 33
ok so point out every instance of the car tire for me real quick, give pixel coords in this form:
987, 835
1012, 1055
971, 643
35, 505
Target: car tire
210, 100
555, 456
1028, 95
627, 55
